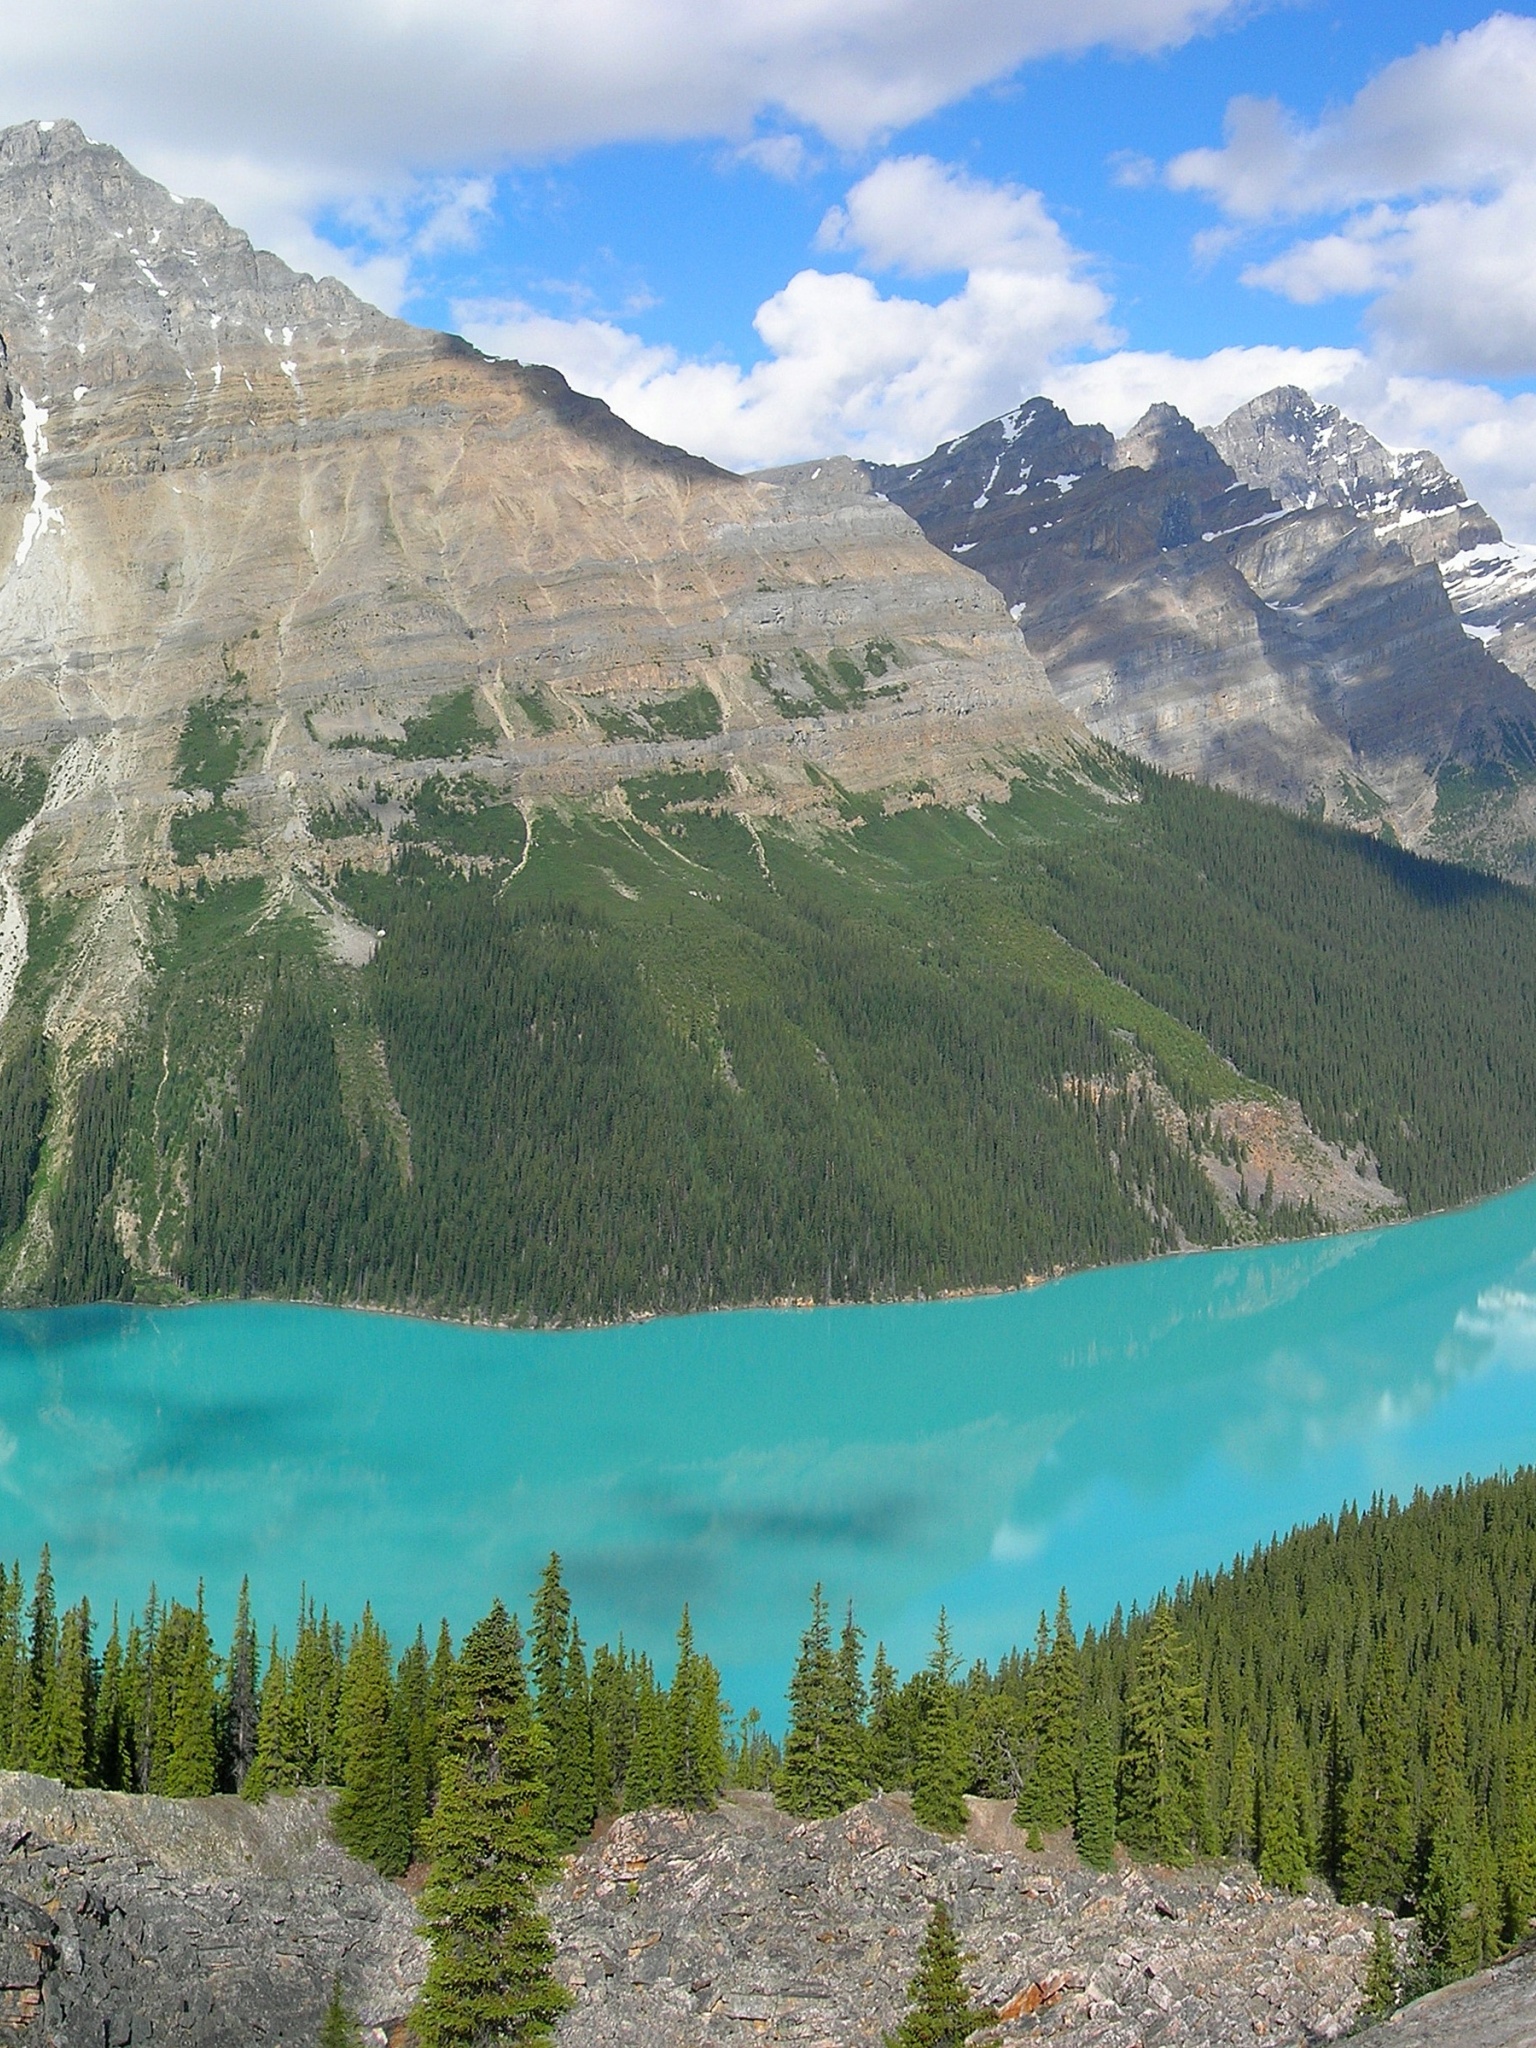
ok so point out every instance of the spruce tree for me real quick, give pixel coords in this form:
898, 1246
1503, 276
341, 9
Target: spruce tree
939, 2013
693, 1767
573, 1778
112, 1764
886, 1749
13, 1673
1517, 1843
851, 1701
1381, 1978
272, 1768
1454, 1910
940, 1768
192, 1760
1048, 1793
42, 1660
65, 1742
240, 1704
820, 1774
549, 1643
1282, 1823
1239, 1835
371, 1817
1378, 1820
1094, 1827
489, 1978
645, 1772
1162, 1746
416, 1735
339, 2028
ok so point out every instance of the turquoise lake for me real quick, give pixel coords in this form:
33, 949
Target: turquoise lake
1109, 1432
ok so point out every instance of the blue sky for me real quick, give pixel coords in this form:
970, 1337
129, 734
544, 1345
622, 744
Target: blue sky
772, 229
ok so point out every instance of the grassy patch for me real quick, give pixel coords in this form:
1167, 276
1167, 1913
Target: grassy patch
342, 821
651, 796
537, 712
219, 829
209, 749
449, 729
22, 784
693, 715
466, 816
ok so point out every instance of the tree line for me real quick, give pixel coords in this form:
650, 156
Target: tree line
1355, 1703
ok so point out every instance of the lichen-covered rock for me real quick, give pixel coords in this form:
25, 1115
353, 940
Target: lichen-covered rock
742, 1926
203, 1923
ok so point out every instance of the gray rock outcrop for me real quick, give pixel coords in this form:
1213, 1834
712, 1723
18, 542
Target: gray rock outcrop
196, 1923
742, 1926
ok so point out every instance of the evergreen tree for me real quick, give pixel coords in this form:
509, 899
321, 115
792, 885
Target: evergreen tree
42, 1660
550, 1642
886, 1749
192, 1762
573, 1776
851, 1700
1378, 1819
1381, 1978
1239, 1835
1162, 1750
693, 1766
241, 1705
489, 1978
940, 2013
1094, 1827
371, 1816
14, 1702
820, 1774
1047, 1795
1282, 1826
339, 2028
416, 1734
1454, 1913
645, 1773
1517, 1843
272, 1768
65, 1743
112, 1766
940, 1769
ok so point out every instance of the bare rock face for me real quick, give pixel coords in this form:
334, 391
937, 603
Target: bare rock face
742, 1926
203, 1923
1307, 454
220, 478
1259, 607
1494, 2009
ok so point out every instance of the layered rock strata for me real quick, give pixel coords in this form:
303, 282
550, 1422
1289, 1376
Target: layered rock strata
1297, 648
221, 480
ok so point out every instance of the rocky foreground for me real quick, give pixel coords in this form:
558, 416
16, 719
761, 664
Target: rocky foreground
208, 1923
742, 1926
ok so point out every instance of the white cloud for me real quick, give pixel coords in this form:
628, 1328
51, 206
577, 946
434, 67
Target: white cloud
848, 367
347, 93
1432, 168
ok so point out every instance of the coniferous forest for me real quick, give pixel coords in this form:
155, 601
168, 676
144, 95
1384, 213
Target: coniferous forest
673, 1064
1354, 1703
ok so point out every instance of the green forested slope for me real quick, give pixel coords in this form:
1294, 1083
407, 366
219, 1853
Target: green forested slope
670, 1061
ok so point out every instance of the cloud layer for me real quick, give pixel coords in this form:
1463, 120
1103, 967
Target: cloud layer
1428, 177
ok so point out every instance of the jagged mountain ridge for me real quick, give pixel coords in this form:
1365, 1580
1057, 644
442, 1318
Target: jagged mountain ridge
1261, 626
222, 479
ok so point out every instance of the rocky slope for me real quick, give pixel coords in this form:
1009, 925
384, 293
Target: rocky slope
220, 480
743, 1926
1307, 454
1260, 607
204, 1923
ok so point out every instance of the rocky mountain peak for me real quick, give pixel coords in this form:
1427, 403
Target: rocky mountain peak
1306, 453
106, 275
1164, 439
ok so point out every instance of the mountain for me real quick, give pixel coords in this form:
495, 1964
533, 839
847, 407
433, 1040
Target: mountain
224, 481
1259, 606
459, 854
